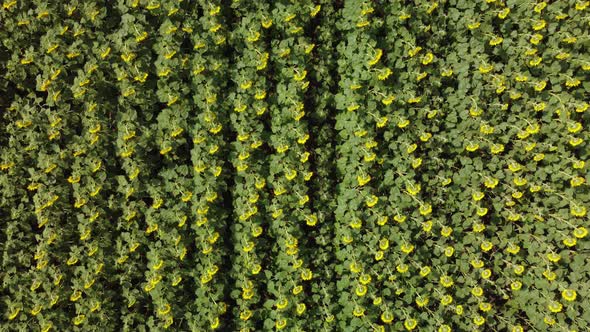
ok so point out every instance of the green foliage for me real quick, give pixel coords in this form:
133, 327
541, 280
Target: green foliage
303, 165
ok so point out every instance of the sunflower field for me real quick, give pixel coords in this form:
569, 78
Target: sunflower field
295, 165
